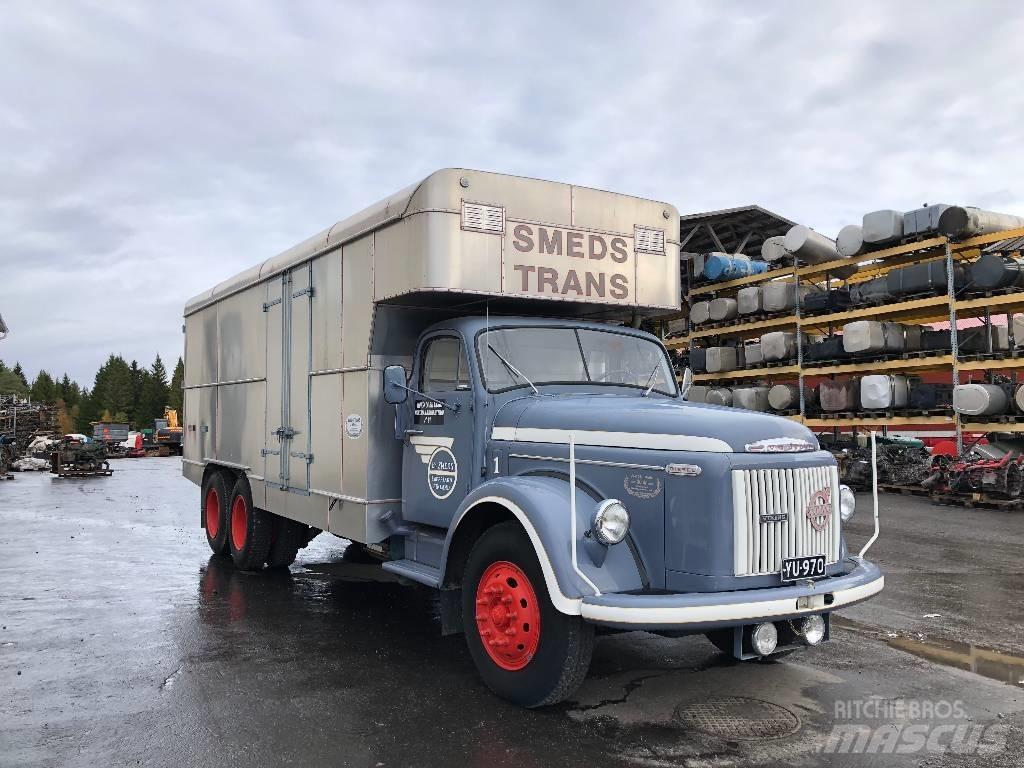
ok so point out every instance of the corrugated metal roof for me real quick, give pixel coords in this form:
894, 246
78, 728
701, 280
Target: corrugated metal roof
747, 227
1006, 246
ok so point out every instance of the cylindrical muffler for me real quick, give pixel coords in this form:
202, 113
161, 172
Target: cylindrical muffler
850, 241
700, 312
723, 309
812, 247
783, 397
993, 271
963, 221
979, 399
753, 398
774, 249
718, 396
725, 266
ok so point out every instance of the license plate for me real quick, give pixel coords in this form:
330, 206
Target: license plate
796, 568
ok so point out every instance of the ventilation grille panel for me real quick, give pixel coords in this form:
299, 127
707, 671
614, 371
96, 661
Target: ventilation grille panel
478, 217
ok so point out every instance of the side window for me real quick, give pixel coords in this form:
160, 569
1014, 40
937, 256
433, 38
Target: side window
444, 366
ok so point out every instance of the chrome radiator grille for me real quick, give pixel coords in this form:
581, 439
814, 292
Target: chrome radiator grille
775, 512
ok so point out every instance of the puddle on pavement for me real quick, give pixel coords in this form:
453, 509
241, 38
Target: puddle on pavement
987, 662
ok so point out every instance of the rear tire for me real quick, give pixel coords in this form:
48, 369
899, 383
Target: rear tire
525, 650
287, 539
249, 529
214, 509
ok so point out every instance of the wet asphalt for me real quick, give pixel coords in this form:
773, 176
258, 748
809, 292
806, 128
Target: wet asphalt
123, 642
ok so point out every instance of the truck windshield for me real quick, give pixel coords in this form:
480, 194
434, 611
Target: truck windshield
517, 357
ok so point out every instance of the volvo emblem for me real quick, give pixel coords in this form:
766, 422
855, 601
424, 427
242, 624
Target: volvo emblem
819, 508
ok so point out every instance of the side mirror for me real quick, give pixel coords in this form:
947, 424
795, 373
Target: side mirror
395, 391
684, 388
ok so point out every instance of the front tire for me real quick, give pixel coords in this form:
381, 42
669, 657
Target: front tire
525, 650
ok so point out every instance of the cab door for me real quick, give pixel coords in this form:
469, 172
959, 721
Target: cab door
438, 456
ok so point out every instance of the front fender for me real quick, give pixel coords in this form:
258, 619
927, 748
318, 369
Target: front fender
541, 505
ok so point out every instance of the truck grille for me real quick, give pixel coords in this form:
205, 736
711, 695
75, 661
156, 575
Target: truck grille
777, 513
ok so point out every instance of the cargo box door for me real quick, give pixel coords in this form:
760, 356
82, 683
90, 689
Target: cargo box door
287, 452
300, 353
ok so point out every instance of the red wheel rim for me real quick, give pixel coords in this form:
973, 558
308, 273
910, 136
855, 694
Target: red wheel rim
239, 522
212, 513
507, 615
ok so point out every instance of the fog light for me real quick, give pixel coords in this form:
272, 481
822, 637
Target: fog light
847, 502
611, 522
813, 629
764, 638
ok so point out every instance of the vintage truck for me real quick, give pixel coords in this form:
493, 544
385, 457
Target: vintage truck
454, 381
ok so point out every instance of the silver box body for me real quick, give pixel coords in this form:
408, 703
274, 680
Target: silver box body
748, 300
882, 227
723, 359
752, 353
872, 336
778, 345
979, 400
837, 395
283, 361
779, 296
882, 392
750, 398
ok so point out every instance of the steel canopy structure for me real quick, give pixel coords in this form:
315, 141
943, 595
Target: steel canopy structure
731, 230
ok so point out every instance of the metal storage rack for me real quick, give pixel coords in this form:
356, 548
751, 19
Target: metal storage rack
946, 307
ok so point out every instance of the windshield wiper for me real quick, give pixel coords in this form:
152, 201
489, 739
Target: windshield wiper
515, 371
650, 380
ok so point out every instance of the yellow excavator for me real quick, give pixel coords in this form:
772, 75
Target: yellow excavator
168, 432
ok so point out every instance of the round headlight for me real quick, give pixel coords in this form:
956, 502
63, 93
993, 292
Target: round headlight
611, 522
764, 639
847, 502
813, 629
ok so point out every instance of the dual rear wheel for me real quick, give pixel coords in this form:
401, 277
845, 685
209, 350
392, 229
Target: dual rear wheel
253, 537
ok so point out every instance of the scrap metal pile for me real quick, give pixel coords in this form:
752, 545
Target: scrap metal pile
995, 468
21, 423
901, 461
74, 456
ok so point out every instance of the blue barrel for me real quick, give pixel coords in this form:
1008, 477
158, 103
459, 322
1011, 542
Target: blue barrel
725, 266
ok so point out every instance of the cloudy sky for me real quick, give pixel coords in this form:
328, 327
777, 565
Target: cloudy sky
152, 149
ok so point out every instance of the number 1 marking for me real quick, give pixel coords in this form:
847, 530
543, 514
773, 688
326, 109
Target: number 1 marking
496, 471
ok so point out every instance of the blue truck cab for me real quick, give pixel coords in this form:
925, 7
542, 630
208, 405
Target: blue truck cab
555, 479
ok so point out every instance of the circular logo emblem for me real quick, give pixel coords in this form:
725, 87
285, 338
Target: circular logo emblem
819, 508
442, 473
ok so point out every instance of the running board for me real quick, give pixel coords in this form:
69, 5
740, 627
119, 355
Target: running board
418, 572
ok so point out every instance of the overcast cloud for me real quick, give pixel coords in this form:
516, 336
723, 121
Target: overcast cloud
152, 150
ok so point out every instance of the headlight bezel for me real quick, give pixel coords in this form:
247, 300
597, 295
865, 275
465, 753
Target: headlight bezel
847, 500
603, 515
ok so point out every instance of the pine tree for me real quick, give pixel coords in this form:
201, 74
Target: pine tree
43, 389
20, 373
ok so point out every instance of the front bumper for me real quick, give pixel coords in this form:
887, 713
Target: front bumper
713, 610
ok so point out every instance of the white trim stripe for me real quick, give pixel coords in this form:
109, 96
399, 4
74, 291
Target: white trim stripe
647, 440
702, 614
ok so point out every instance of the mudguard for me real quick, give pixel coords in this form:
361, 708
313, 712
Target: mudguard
541, 504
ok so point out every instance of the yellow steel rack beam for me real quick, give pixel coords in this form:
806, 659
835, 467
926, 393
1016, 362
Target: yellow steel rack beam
891, 421
988, 426
739, 282
936, 362
992, 365
750, 373
744, 329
